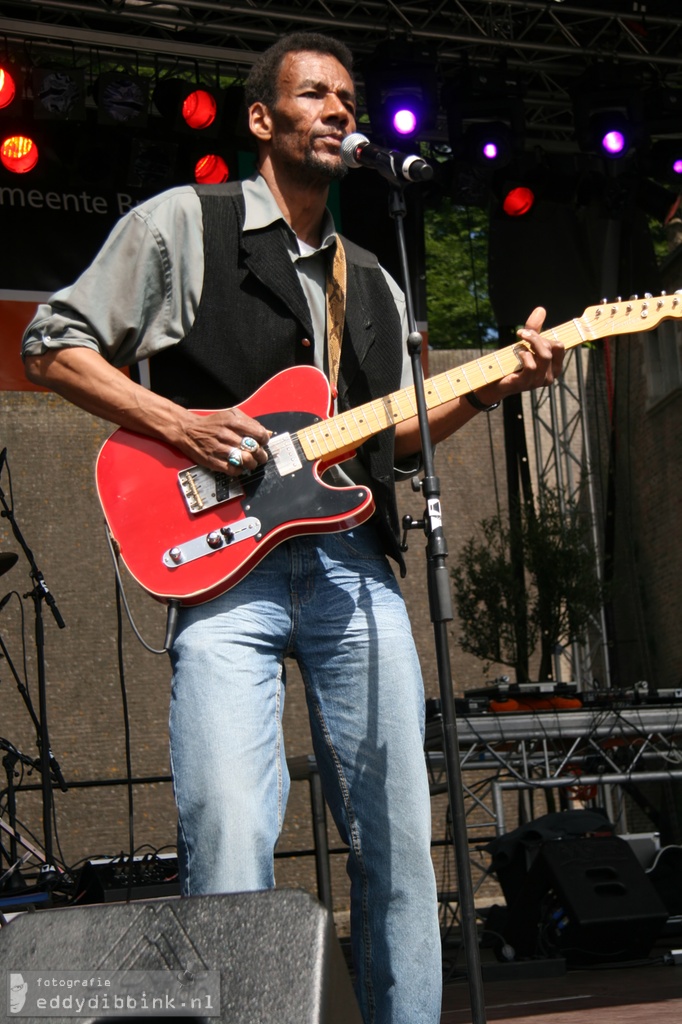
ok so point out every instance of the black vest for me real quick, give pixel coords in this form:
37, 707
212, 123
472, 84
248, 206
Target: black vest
251, 322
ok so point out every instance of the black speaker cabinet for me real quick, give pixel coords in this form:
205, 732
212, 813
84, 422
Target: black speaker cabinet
588, 900
276, 952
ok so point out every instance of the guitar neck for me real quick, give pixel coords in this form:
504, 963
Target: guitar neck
332, 438
337, 435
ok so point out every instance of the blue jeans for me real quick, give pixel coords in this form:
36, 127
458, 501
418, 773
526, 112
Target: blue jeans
332, 603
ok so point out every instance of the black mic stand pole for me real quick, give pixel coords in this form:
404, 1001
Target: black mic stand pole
48, 762
440, 603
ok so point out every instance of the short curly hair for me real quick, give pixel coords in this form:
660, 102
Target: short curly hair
262, 81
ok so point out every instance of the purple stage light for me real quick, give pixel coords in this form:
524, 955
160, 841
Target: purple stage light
490, 150
613, 142
404, 121
677, 166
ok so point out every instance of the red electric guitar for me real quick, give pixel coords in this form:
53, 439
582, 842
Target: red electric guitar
188, 534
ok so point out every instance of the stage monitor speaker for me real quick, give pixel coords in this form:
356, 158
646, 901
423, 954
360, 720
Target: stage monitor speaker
277, 953
588, 900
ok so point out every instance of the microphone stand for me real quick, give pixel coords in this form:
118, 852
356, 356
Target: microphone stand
48, 763
440, 603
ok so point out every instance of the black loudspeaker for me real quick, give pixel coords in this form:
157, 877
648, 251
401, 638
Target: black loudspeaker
276, 952
587, 900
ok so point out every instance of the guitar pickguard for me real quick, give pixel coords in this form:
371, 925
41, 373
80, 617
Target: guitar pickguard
193, 546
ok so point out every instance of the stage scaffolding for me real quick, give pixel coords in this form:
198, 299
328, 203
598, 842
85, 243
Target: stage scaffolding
565, 462
571, 759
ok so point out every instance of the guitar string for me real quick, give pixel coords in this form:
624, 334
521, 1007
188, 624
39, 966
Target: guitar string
401, 405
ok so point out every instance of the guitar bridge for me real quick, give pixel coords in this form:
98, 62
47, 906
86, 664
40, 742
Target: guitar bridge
202, 489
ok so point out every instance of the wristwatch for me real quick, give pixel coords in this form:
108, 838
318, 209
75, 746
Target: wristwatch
473, 399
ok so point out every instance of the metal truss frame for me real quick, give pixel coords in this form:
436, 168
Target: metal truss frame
564, 462
593, 755
548, 44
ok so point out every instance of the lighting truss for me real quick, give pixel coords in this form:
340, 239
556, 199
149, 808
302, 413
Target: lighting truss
549, 44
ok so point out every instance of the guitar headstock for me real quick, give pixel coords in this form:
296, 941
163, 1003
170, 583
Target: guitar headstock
627, 316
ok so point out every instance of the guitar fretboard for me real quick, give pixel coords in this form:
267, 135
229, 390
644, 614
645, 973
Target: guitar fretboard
333, 437
347, 431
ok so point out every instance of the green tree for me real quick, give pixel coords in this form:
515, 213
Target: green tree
459, 311
559, 596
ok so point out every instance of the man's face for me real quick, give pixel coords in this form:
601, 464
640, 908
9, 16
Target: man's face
315, 110
17, 992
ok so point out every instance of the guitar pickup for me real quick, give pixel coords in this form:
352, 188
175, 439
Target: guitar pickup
283, 453
202, 489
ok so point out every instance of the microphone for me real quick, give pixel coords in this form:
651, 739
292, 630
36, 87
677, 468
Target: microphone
358, 151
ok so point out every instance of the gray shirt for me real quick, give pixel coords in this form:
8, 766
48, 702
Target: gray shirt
141, 293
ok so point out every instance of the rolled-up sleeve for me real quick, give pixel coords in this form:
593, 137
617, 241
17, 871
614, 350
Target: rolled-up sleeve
140, 293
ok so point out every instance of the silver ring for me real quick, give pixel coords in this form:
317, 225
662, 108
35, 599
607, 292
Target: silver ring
234, 457
249, 444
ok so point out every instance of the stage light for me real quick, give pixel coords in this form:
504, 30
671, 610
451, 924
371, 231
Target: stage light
536, 180
401, 91
189, 107
608, 112
11, 90
614, 142
8, 88
611, 134
490, 144
404, 112
199, 109
486, 122
518, 201
405, 120
211, 169
19, 154
59, 94
122, 99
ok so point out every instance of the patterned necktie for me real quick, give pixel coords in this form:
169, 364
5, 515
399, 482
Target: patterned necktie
336, 312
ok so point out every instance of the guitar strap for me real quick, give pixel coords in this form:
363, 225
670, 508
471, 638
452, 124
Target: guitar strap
336, 312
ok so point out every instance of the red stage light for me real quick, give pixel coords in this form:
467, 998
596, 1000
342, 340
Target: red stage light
8, 88
199, 109
211, 169
518, 201
19, 154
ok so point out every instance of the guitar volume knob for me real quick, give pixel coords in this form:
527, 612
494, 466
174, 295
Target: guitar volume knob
214, 539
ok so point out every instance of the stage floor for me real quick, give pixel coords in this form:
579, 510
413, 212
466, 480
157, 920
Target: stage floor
614, 995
